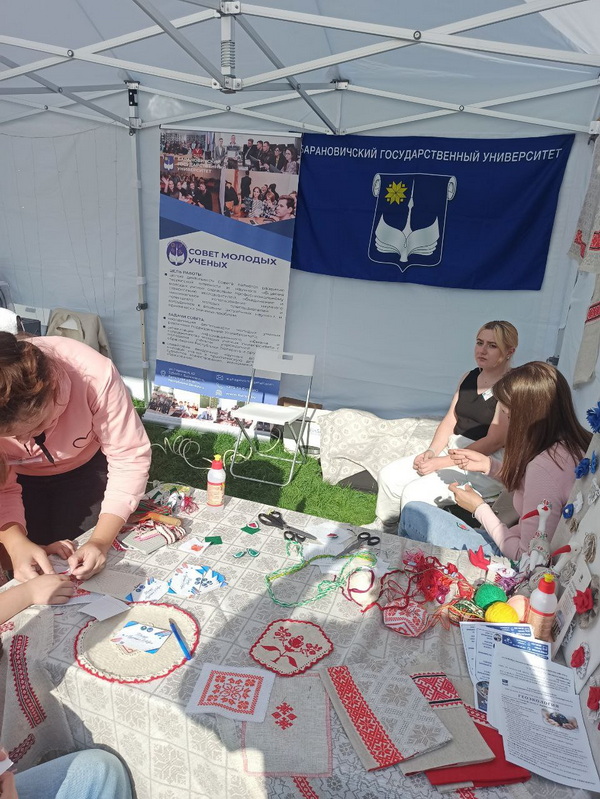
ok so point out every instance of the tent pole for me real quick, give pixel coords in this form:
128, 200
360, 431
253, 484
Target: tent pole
136, 182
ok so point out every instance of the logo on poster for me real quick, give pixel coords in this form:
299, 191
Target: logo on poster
410, 218
176, 252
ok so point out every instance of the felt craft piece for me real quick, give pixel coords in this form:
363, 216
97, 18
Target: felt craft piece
251, 528
214, 539
383, 713
290, 647
467, 745
96, 654
485, 775
240, 694
295, 737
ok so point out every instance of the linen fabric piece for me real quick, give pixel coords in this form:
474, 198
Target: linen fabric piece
383, 713
240, 694
290, 647
483, 775
467, 745
295, 737
114, 583
98, 655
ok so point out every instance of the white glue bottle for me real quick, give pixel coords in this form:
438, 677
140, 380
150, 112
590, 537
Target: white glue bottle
542, 607
215, 484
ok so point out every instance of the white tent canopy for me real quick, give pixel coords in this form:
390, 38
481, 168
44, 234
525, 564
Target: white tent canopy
79, 212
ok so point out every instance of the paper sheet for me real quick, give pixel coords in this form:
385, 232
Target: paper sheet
538, 713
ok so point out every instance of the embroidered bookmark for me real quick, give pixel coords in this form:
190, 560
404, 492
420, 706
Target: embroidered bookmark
295, 738
384, 714
290, 647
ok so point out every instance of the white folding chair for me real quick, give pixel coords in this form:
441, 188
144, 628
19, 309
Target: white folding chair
275, 363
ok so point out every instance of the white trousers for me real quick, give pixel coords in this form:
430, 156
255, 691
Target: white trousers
399, 484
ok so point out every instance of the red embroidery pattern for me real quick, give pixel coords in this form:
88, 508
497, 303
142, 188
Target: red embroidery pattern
231, 691
304, 787
579, 240
411, 620
595, 242
466, 793
284, 715
477, 715
290, 646
365, 722
7, 627
593, 312
30, 704
21, 750
437, 689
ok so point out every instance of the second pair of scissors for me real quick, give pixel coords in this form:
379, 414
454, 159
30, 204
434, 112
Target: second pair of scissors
275, 519
362, 540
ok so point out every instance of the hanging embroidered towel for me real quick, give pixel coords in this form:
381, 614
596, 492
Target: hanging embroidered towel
290, 647
241, 694
383, 712
467, 745
484, 775
295, 738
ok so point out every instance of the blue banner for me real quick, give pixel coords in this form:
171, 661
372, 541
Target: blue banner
457, 213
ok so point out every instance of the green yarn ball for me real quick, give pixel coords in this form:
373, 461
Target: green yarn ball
488, 593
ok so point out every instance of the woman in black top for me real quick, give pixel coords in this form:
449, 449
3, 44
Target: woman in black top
473, 421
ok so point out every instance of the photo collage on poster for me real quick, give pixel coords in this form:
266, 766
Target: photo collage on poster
252, 179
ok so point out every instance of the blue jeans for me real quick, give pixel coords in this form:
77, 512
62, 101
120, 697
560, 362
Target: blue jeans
91, 774
423, 522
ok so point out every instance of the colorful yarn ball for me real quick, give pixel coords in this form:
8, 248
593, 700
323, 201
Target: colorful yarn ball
488, 593
464, 610
521, 605
501, 613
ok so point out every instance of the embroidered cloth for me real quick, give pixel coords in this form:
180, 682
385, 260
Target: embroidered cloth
467, 745
290, 647
295, 737
99, 656
241, 694
383, 713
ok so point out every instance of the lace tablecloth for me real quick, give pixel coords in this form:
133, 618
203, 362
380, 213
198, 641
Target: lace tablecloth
175, 756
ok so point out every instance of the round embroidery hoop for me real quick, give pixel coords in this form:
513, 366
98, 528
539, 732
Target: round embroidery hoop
96, 654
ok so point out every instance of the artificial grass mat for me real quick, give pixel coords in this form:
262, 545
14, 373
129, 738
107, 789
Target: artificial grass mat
307, 493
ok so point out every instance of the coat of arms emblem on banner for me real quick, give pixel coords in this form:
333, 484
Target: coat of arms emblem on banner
410, 218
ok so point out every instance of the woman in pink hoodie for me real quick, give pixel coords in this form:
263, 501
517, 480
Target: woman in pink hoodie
75, 451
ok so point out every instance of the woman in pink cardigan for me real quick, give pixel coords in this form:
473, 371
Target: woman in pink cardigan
74, 451
544, 442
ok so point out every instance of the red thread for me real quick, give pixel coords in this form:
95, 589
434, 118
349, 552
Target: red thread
304, 787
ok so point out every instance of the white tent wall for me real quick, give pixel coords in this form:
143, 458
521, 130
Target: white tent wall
67, 221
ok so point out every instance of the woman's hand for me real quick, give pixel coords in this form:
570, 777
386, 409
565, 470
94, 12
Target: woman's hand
7, 780
430, 466
64, 548
88, 560
470, 461
50, 589
422, 457
466, 497
28, 559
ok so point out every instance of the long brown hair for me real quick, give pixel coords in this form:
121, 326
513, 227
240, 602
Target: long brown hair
28, 381
541, 416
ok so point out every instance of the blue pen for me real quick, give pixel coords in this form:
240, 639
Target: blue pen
179, 639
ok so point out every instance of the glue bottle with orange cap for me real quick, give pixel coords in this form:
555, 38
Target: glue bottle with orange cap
542, 608
215, 485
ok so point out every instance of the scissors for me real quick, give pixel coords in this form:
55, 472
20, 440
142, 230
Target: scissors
275, 519
362, 540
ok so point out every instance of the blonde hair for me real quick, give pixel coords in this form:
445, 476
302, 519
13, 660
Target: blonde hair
507, 335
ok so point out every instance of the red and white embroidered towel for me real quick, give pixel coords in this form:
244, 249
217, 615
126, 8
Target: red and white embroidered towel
383, 713
295, 737
467, 745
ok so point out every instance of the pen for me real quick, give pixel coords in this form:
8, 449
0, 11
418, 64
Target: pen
179, 639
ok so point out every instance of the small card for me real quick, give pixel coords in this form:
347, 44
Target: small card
251, 528
189, 580
148, 591
214, 539
194, 546
105, 608
141, 637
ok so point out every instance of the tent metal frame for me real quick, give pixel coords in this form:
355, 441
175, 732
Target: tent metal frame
281, 84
